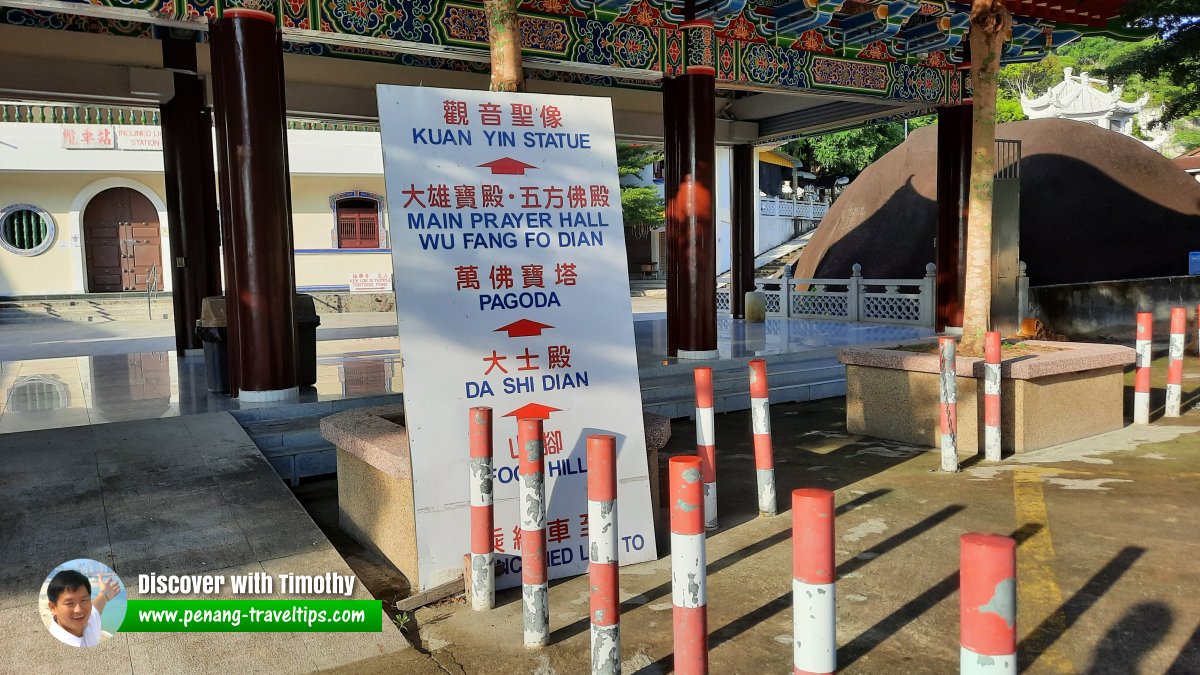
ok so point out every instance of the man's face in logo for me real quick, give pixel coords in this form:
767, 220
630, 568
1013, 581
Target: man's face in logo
73, 609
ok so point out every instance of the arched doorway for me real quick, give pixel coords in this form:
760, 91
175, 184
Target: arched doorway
122, 242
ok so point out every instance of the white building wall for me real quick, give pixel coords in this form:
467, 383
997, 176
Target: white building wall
724, 158
36, 169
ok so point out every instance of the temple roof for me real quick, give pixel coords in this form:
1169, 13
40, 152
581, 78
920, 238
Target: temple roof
787, 67
1076, 96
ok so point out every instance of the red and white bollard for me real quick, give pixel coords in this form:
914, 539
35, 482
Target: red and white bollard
764, 455
948, 410
991, 396
706, 443
532, 504
814, 607
987, 604
1141, 376
1175, 362
483, 571
603, 574
689, 592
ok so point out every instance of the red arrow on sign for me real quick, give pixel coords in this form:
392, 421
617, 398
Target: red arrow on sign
523, 328
507, 166
533, 411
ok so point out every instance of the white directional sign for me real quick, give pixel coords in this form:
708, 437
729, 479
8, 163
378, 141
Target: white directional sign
512, 292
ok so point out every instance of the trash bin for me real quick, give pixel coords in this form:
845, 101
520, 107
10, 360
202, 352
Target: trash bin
305, 311
212, 329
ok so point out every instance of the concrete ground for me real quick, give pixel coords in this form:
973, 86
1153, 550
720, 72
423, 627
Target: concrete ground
1108, 561
184, 495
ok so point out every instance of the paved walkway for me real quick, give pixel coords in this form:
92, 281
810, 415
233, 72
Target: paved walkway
1108, 561
188, 495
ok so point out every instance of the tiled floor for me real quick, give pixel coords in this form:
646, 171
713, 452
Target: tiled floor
73, 391
79, 390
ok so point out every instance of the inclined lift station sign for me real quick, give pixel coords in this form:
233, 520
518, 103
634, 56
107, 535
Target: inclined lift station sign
512, 292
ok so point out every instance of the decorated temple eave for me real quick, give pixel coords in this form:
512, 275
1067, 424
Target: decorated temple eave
903, 50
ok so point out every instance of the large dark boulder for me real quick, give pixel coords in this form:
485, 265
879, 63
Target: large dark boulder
1095, 205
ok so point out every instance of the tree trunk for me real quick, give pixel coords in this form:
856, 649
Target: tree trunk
504, 32
989, 25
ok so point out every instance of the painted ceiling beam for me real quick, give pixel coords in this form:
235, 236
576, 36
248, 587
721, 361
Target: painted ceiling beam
941, 33
1022, 35
706, 9
798, 16
885, 21
613, 6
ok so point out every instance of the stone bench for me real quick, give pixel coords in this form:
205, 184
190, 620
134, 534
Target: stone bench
374, 476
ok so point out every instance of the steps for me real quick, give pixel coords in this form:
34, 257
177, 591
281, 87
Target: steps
289, 436
84, 310
774, 269
670, 390
647, 288
770, 263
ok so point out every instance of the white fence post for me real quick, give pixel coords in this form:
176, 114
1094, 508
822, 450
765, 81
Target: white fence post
1022, 293
928, 293
854, 295
786, 297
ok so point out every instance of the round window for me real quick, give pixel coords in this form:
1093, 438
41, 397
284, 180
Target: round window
26, 229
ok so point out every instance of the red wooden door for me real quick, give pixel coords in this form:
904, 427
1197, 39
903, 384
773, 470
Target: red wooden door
358, 223
122, 242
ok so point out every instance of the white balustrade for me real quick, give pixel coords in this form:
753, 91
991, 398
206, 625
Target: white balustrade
899, 301
792, 208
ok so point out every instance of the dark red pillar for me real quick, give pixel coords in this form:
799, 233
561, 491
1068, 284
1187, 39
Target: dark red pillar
260, 281
953, 176
191, 193
741, 254
691, 204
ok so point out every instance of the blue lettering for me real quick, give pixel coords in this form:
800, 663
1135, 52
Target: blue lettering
566, 467
506, 474
557, 139
479, 390
522, 300
433, 221
581, 219
500, 138
441, 137
436, 241
560, 556
489, 240
553, 381
580, 239
508, 564
518, 385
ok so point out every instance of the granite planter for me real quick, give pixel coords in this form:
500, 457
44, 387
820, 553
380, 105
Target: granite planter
1073, 392
375, 481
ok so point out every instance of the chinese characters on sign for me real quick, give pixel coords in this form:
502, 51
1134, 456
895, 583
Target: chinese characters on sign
110, 137
370, 282
512, 292
88, 137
